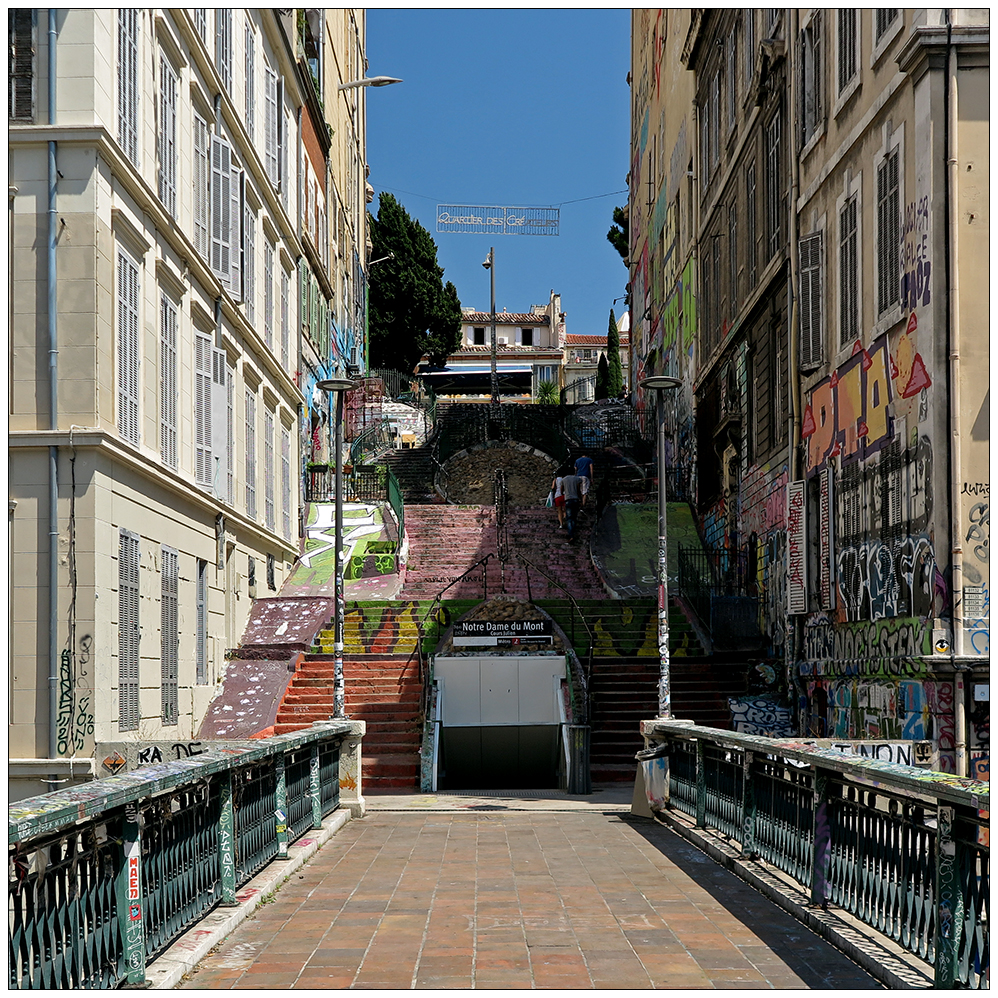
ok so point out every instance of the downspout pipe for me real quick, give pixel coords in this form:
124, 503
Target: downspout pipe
53, 351
951, 181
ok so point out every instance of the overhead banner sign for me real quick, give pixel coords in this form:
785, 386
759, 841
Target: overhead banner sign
492, 220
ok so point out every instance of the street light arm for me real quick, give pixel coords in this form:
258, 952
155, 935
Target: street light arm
369, 81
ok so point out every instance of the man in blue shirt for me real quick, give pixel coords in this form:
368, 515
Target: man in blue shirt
584, 467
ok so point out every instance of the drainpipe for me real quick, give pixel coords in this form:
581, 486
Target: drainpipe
53, 337
954, 436
793, 331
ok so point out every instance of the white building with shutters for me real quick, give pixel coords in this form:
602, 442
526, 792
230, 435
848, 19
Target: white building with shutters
155, 425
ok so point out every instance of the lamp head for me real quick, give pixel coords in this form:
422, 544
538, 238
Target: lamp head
487, 262
660, 383
336, 385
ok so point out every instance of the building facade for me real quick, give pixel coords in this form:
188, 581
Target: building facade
837, 356
167, 230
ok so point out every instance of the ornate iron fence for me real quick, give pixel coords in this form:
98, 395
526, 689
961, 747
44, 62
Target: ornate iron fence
102, 878
902, 849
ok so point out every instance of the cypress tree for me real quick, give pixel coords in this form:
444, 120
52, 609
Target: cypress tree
602, 378
615, 377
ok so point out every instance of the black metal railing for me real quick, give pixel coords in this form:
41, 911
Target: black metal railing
103, 877
708, 575
902, 849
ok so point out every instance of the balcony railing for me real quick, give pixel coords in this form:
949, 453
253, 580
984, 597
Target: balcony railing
903, 850
104, 877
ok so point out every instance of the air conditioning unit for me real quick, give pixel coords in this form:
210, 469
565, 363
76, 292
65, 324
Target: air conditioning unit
503, 340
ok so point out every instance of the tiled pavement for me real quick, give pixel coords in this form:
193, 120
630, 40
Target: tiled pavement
575, 899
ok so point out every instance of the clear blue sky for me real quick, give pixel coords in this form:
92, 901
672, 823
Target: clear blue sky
508, 107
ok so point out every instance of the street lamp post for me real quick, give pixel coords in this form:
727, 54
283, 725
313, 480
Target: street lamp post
490, 266
660, 385
338, 386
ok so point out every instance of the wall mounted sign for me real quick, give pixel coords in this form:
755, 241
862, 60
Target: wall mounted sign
500, 221
499, 633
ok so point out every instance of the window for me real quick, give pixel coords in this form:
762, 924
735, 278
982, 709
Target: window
21, 63
285, 321
202, 184
748, 44
883, 18
202, 410
271, 577
168, 382
751, 214
226, 215
201, 623
847, 63
250, 454
128, 631
223, 45
286, 481
546, 373
526, 337
201, 22
810, 300
249, 264
169, 634
268, 295
478, 336
715, 121
732, 260
249, 119
731, 80
848, 273
251, 576
128, 99
888, 232
774, 189
811, 79
268, 469
271, 125
777, 409
167, 145
127, 368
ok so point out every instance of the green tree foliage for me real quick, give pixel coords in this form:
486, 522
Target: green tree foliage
619, 234
411, 311
602, 378
615, 377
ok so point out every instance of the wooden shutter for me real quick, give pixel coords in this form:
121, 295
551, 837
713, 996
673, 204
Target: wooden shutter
221, 209
167, 135
268, 295
21, 63
848, 274
128, 631
219, 423
285, 330
250, 117
202, 186
202, 409
888, 232
169, 633
230, 434
286, 481
796, 547
270, 124
249, 261
168, 382
223, 45
250, 454
201, 623
810, 300
268, 469
236, 235
128, 42
128, 349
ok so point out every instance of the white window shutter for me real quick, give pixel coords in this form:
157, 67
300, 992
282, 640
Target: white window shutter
202, 410
128, 631
235, 235
250, 121
168, 383
168, 136
128, 41
811, 300
221, 209
202, 185
286, 481
219, 426
169, 636
250, 454
270, 125
128, 350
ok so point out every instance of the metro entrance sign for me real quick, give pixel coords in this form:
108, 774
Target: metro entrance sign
499, 633
501, 221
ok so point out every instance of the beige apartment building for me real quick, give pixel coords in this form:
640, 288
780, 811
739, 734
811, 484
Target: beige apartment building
836, 328
171, 264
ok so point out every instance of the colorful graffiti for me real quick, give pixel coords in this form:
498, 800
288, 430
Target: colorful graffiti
761, 714
847, 412
878, 580
886, 648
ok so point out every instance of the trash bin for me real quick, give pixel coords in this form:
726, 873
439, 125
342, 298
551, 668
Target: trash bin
654, 762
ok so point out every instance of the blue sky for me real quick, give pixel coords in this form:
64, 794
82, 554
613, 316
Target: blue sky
508, 107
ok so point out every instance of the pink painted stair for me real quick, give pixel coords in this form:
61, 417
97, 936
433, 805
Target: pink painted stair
383, 690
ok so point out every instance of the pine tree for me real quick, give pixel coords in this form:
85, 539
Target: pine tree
615, 378
411, 312
619, 234
602, 378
